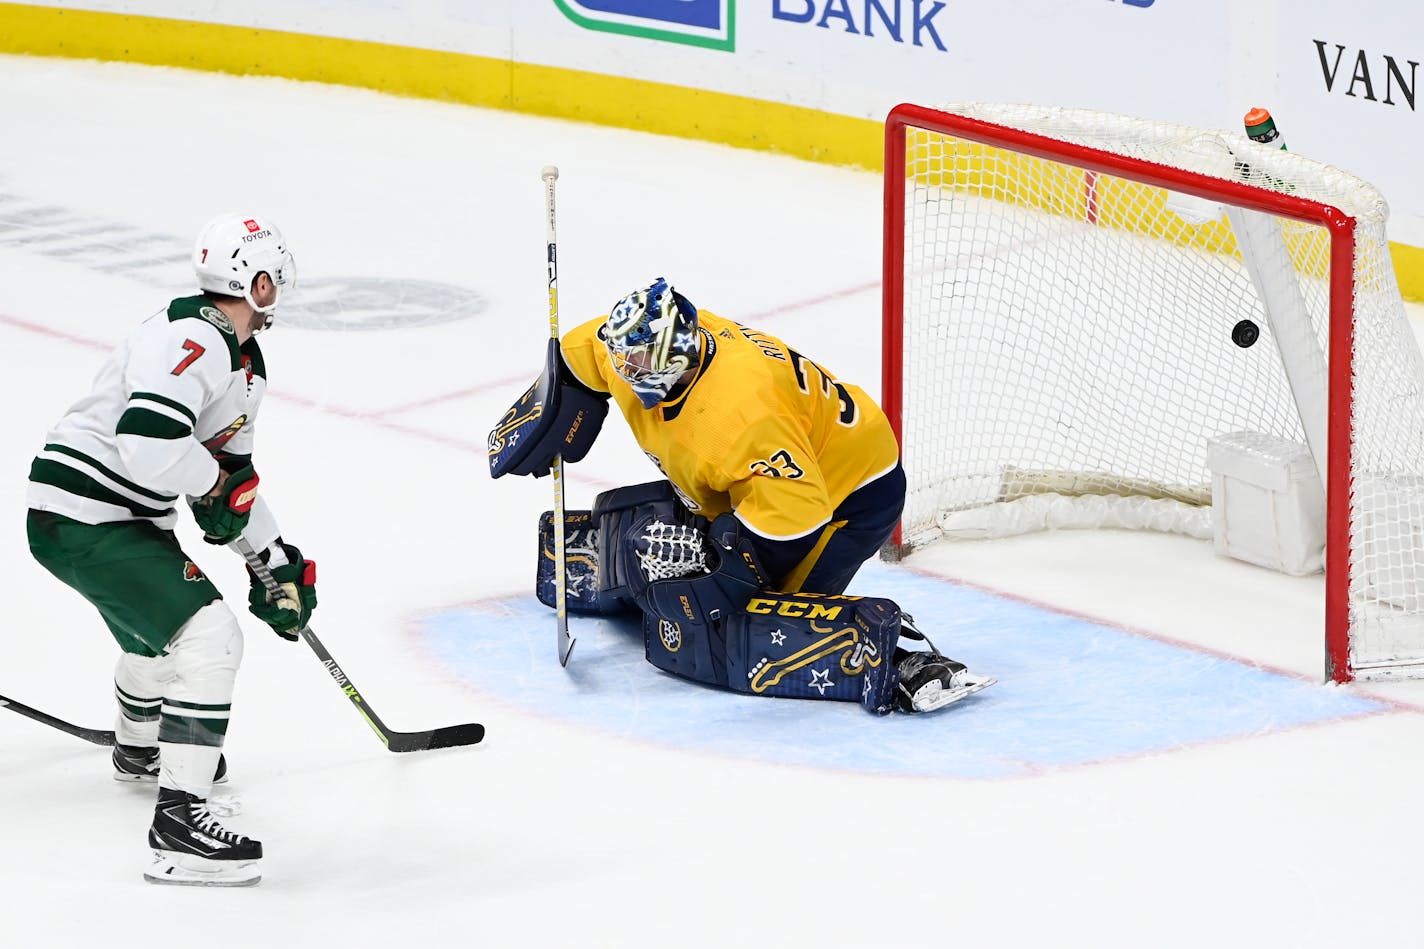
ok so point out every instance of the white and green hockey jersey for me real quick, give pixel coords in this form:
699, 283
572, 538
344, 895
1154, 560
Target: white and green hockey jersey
177, 395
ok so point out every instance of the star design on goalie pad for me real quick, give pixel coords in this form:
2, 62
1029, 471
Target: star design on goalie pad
821, 681
778, 638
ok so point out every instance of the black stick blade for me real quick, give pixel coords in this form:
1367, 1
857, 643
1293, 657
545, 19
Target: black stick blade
97, 736
452, 736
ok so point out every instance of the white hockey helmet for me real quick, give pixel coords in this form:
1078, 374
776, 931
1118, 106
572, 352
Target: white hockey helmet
233, 249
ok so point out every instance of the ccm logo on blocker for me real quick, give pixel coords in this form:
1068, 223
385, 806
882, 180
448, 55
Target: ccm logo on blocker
707, 23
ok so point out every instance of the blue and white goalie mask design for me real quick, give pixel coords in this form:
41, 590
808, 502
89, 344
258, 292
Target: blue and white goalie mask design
651, 337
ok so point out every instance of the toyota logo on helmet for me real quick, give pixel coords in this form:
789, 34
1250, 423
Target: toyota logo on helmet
233, 249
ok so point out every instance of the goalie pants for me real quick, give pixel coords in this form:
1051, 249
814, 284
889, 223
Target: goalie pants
181, 643
861, 525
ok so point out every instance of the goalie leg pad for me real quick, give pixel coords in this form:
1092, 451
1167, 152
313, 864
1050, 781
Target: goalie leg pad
603, 574
836, 648
582, 577
694, 652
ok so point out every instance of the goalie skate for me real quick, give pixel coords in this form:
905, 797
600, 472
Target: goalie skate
929, 681
191, 848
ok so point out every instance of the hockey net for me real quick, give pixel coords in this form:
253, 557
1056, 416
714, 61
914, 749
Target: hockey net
1061, 293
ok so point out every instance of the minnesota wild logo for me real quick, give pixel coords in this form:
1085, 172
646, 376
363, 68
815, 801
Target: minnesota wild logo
218, 318
216, 443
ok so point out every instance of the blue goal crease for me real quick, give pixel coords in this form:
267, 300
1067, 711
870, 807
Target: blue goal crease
1071, 691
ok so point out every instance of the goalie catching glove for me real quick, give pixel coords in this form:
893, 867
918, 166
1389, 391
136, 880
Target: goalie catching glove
287, 613
223, 512
692, 576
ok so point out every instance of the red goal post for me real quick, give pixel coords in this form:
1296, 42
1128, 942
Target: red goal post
1059, 294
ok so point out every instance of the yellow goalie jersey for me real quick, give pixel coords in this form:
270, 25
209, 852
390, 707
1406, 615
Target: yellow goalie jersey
762, 430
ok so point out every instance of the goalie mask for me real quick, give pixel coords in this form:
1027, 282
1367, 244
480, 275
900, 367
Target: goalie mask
232, 250
651, 337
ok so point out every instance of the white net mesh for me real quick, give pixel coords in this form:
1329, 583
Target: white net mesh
1070, 331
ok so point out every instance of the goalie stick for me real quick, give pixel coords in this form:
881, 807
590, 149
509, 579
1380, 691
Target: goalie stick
97, 736
550, 174
451, 736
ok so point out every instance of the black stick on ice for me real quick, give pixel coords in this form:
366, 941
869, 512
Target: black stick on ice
97, 736
450, 736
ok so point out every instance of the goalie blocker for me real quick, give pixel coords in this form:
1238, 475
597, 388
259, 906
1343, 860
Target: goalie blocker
556, 417
706, 615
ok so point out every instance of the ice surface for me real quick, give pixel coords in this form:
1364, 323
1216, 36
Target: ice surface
1157, 766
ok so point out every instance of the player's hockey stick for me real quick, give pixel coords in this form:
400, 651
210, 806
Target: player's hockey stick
450, 736
550, 174
97, 736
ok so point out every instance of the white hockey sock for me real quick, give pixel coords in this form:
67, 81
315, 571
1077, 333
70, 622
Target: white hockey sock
197, 700
138, 689
189, 768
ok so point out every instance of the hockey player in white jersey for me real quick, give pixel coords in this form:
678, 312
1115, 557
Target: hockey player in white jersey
171, 416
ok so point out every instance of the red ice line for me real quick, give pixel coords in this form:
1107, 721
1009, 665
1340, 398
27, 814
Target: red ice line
381, 417
378, 418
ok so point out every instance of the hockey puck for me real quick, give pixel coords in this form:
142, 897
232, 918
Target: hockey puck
1245, 333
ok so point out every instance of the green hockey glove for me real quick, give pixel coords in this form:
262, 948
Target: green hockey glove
287, 613
223, 514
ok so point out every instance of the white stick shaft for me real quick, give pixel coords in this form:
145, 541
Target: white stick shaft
550, 174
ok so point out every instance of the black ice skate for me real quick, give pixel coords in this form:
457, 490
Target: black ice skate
139, 763
929, 681
191, 848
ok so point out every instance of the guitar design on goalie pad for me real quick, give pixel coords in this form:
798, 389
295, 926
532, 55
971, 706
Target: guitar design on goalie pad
580, 555
856, 655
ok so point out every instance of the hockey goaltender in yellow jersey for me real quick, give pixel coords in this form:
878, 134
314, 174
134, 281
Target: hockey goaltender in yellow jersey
781, 481
761, 429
